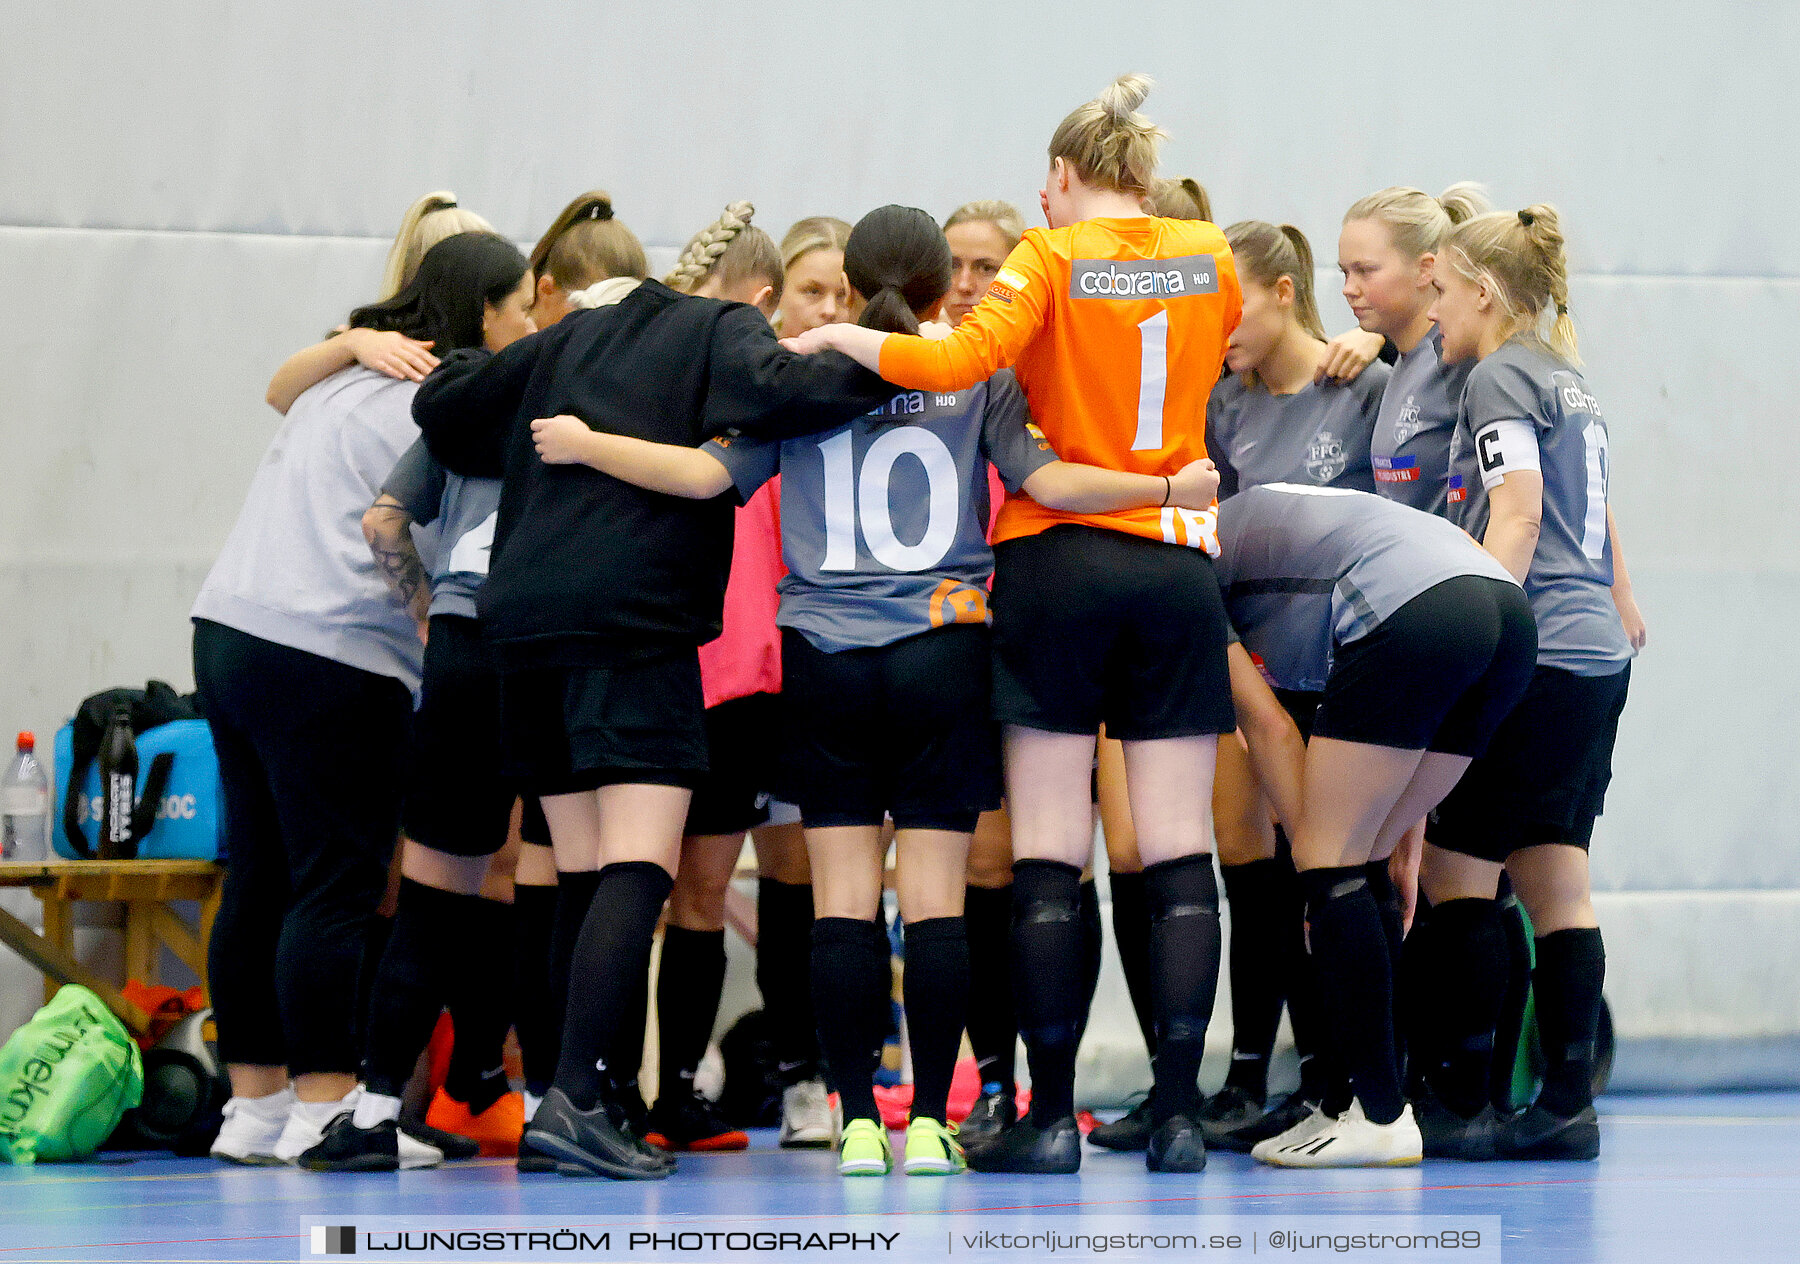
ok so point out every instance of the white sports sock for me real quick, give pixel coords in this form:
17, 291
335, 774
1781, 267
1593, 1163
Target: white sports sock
375, 1108
319, 1114
532, 1102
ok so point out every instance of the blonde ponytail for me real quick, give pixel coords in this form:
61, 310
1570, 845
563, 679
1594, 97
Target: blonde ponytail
427, 222
1522, 258
586, 244
1266, 252
1108, 143
1185, 198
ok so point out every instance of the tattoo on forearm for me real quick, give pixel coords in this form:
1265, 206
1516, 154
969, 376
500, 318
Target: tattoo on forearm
401, 566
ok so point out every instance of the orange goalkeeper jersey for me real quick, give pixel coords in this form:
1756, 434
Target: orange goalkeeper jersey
1117, 330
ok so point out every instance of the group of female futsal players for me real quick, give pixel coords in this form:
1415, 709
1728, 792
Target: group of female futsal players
528, 495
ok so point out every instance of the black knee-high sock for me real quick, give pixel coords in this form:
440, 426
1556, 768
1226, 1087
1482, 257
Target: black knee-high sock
993, 1023
1350, 963
627, 1052
574, 896
1263, 910
936, 989
1510, 1030
1093, 942
1415, 1015
1571, 970
1047, 980
1131, 932
412, 981
1393, 929
482, 1004
851, 974
1320, 1079
784, 920
688, 985
1459, 965
535, 1018
611, 960
1185, 945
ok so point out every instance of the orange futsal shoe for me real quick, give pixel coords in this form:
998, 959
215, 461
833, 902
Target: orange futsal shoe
496, 1129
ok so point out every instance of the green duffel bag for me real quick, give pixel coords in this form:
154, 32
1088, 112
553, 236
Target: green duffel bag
66, 1078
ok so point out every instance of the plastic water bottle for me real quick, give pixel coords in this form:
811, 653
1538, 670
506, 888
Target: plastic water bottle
25, 806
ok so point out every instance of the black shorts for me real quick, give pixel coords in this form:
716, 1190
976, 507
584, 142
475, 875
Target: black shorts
743, 749
568, 729
533, 828
899, 729
1438, 674
1094, 626
1544, 776
457, 800
1302, 705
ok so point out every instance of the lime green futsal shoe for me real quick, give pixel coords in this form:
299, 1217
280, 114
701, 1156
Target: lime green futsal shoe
865, 1150
932, 1149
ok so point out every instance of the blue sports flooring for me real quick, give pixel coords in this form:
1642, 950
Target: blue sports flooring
1710, 1178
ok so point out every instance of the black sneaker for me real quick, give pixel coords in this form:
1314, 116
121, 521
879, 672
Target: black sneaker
1176, 1145
1448, 1135
691, 1122
451, 1145
996, 1110
1539, 1134
1226, 1111
383, 1148
1274, 1121
1050, 1151
589, 1143
1129, 1133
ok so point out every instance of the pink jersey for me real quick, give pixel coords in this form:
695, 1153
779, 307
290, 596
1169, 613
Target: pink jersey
746, 656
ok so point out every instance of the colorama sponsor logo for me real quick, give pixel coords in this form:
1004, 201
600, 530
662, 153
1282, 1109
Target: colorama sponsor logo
1129, 279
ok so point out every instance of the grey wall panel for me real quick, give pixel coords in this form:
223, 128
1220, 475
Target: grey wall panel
327, 118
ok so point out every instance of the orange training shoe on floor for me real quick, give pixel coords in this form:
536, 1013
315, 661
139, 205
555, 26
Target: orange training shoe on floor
692, 1123
497, 1128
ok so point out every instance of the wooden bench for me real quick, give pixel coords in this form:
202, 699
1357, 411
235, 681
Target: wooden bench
145, 887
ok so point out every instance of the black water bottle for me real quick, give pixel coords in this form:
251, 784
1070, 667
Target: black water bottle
118, 787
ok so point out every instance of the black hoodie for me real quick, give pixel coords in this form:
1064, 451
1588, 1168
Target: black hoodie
588, 570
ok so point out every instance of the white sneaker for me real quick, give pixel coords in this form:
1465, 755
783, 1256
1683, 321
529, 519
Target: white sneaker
806, 1118
1305, 1130
1354, 1141
252, 1128
307, 1122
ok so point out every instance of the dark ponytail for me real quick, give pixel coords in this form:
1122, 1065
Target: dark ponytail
898, 260
444, 302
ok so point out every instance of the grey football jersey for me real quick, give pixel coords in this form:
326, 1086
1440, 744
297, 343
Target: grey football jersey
463, 511
1307, 569
1411, 445
884, 520
1318, 435
1571, 574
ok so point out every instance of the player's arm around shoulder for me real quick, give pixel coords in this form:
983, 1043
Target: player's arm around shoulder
668, 468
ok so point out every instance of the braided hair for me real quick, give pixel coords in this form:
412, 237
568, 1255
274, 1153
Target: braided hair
729, 249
